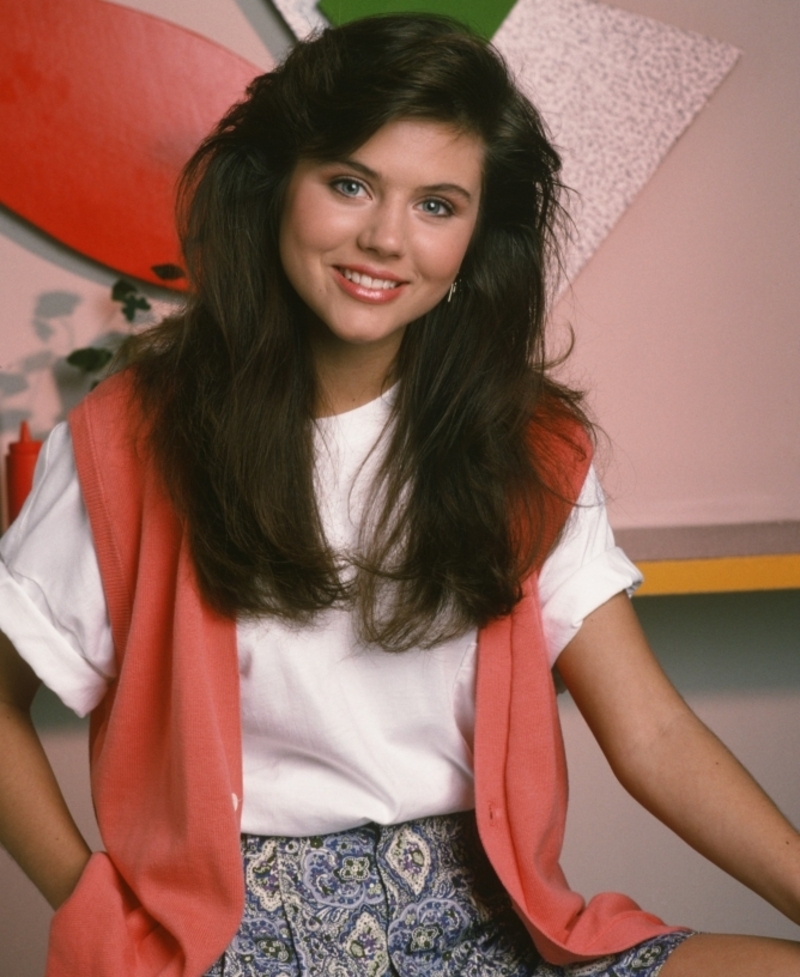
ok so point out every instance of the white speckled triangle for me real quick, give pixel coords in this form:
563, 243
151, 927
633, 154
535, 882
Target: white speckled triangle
616, 90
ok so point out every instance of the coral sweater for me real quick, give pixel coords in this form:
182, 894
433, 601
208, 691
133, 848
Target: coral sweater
167, 895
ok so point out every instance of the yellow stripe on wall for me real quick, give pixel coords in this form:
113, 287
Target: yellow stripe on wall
779, 572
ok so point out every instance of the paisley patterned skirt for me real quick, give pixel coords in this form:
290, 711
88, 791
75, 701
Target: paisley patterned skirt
418, 899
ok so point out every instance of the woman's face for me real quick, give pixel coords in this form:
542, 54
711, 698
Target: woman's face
373, 241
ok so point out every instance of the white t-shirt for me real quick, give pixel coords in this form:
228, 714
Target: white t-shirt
335, 734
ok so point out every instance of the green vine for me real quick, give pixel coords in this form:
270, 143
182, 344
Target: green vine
91, 360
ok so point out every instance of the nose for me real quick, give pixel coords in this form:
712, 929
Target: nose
383, 232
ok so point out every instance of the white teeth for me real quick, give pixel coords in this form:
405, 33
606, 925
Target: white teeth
360, 279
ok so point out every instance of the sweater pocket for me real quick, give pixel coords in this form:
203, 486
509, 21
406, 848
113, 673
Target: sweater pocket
102, 930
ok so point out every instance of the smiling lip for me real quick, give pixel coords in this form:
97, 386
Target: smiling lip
375, 295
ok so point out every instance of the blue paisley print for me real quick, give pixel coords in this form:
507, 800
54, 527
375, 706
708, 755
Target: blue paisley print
410, 900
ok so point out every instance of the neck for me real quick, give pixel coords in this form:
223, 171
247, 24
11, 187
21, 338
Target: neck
351, 375
338, 394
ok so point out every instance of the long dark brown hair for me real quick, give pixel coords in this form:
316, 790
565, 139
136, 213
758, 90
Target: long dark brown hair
461, 496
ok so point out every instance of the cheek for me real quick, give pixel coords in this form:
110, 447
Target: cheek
312, 224
443, 256
300, 242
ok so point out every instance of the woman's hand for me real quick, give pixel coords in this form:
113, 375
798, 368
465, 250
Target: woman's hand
671, 763
35, 825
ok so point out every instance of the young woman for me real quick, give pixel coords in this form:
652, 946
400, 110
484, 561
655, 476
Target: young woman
309, 559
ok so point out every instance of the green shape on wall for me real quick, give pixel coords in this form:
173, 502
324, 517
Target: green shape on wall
483, 16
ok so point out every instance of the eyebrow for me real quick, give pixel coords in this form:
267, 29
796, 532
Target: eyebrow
432, 188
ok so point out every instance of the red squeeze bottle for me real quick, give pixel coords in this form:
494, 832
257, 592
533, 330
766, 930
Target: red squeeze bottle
20, 463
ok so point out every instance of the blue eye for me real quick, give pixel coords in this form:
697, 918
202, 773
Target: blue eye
436, 208
348, 187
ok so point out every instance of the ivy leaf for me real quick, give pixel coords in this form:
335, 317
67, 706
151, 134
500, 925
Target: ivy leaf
131, 303
121, 288
168, 273
129, 297
90, 359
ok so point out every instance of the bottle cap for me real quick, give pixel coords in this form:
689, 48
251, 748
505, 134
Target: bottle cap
26, 444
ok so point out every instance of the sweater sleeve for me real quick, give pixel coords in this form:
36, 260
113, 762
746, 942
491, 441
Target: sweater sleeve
52, 605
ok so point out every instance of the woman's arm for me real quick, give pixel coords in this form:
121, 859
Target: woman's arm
35, 825
671, 763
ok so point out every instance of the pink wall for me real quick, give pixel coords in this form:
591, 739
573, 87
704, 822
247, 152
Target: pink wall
687, 317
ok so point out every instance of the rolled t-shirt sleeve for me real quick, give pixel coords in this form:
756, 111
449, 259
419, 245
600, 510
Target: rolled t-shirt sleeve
52, 605
585, 569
